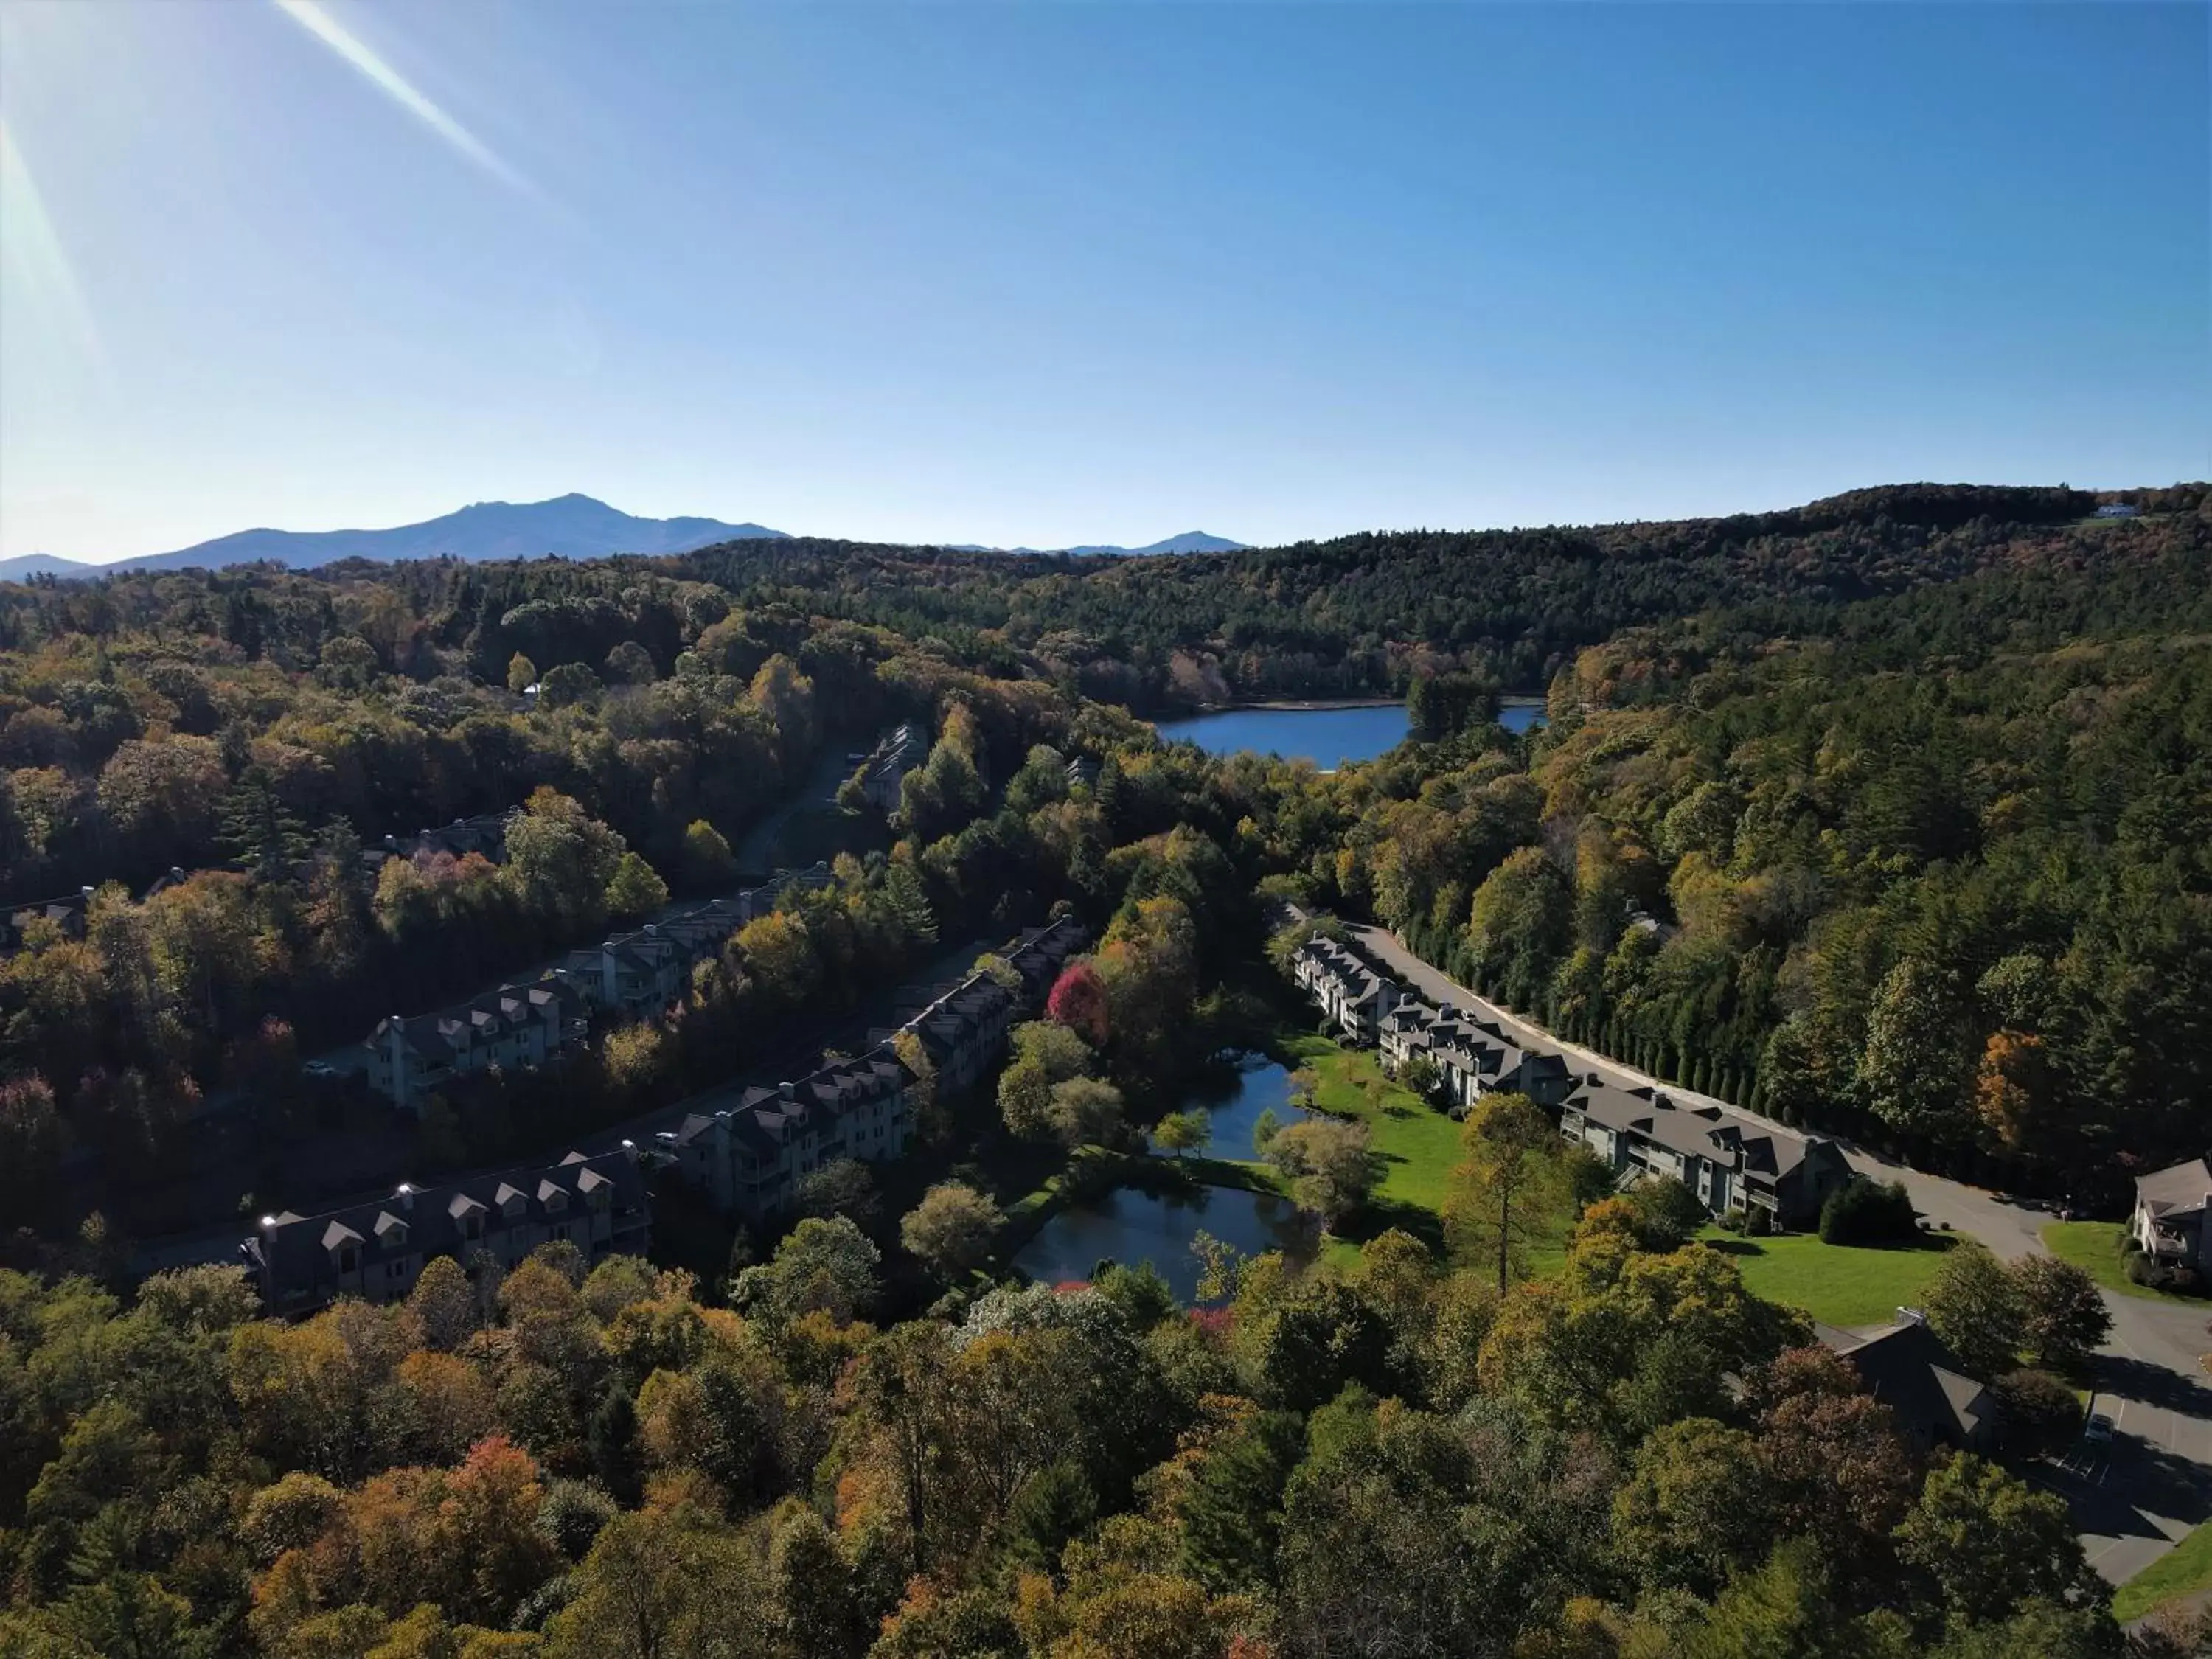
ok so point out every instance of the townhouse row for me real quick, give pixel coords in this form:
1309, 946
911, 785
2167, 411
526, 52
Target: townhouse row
377, 1250
633, 974
1472, 1056
748, 1156
751, 1155
1730, 1160
883, 770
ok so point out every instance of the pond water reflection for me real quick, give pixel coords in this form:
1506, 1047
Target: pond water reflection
1129, 1226
1234, 1100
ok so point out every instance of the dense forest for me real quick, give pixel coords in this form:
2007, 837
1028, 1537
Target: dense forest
1930, 868
1884, 815
1396, 1461
1369, 613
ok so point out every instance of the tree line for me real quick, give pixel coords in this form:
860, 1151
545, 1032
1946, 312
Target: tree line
1402, 1456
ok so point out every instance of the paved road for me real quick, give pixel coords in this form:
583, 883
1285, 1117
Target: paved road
2155, 1483
757, 850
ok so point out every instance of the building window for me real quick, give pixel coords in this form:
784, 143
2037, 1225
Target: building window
348, 1261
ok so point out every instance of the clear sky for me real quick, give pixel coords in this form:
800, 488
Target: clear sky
1059, 273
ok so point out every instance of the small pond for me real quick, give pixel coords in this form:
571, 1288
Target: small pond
1329, 738
1130, 1227
1246, 1087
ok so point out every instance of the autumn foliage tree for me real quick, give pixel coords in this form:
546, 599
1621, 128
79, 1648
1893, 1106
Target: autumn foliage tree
1078, 1001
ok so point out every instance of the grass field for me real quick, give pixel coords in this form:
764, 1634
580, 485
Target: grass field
2095, 1248
1418, 1145
2186, 1567
1845, 1284
1836, 1283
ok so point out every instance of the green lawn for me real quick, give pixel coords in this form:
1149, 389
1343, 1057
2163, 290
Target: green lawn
2186, 1567
1845, 1284
1418, 1145
2095, 1248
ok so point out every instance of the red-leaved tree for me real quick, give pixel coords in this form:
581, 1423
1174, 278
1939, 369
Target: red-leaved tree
1078, 1002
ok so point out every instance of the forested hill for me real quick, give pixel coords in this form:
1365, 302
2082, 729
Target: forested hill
1366, 612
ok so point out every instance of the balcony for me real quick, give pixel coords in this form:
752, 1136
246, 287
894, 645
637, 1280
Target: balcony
2165, 1241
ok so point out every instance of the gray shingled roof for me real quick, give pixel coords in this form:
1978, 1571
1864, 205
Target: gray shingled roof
1908, 1369
1702, 1132
297, 1247
2178, 1191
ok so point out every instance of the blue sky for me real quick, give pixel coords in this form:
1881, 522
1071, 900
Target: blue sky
1065, 273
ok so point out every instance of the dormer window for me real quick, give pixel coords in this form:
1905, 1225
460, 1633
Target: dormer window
344, 1246
553, 1196
511, 1200
467, 1215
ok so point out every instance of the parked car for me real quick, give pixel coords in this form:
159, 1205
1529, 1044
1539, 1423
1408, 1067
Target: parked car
2098, 1430
321, 1070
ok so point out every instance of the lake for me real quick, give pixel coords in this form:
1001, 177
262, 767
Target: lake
1329, 738
1129, 1227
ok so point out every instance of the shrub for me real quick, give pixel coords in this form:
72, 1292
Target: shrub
1863, 1212
1666, 1212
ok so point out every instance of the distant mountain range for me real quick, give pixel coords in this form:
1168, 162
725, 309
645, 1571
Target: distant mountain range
1191, 541
569, 527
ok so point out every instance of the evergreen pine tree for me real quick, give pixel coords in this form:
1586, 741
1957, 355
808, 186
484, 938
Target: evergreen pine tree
611, 1441
909, 903
257, 828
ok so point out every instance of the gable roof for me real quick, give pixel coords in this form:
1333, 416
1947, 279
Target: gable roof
444, 1032
1908, 1369
295, 1250
765, 1118
2178, 1190
1760, 1150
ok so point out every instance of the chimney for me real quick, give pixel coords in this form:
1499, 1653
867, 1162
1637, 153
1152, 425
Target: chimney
788, 1090
404, 1191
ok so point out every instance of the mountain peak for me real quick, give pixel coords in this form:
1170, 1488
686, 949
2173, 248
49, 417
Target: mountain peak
571, 526
1191, 541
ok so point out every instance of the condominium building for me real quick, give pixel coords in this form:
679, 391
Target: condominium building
377, 1250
